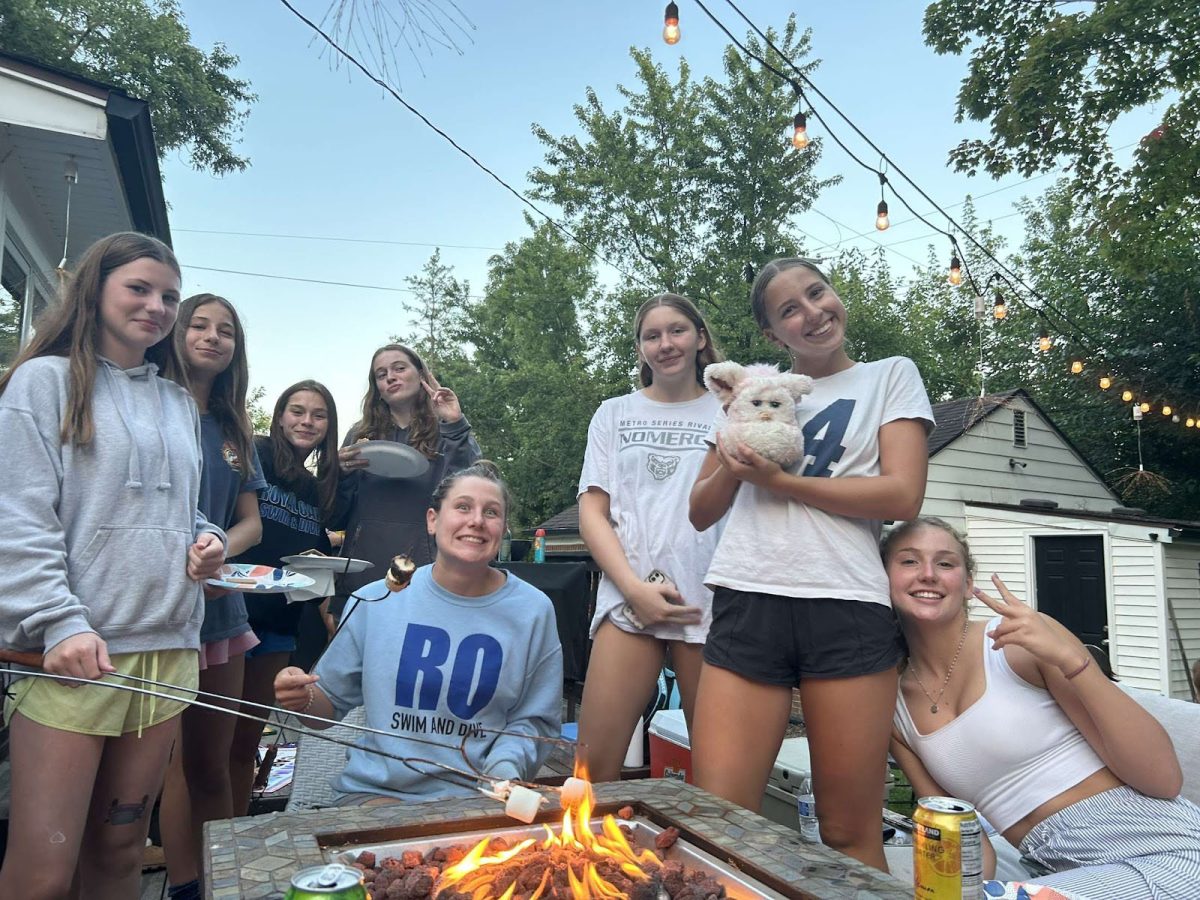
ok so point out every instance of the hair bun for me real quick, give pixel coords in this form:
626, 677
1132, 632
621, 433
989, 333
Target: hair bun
488, 466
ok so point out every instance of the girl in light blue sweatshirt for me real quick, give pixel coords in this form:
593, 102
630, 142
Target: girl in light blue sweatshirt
103, 558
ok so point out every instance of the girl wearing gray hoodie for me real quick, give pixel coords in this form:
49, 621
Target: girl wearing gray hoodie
103, 560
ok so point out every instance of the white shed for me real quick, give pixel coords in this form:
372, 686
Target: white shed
1038, 515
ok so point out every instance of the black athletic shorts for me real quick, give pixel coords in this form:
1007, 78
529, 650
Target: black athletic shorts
780, 640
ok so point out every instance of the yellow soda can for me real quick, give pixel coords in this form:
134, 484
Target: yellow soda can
947, 850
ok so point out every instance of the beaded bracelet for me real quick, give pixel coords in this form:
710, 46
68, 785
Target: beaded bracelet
312, 696
1087, 662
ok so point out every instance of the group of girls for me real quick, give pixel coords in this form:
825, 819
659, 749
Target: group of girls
128, 445
124, 490
779, 584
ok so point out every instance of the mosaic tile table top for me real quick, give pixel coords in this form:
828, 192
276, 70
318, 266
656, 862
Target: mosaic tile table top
256, 857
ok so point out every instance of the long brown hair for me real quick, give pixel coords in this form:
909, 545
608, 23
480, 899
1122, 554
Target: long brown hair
227, 400
377, 423
68, 328
705, 356
290, 473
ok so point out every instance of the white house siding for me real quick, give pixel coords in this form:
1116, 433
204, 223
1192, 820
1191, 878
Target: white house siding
975, 467
1136, 621
1002, 542
1181, 572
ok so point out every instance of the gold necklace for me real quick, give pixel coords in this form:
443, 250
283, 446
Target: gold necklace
933, 702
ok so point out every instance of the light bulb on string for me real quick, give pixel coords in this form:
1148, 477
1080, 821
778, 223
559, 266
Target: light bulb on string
882, 222
1191, 423
800, 131
671, 24
999, 307
955, 276
1044, 341
1105, 382
1166, 409
1175, 418
1144, 406
1127, 396
1076, 366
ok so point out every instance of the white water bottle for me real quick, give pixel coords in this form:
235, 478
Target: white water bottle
806, 806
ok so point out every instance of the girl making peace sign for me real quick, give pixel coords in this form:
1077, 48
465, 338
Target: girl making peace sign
406, 404
1011, 715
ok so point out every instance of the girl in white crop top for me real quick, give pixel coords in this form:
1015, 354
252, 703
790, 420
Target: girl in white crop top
1012, 715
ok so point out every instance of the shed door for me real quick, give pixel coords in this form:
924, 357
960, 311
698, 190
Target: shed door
1070, 584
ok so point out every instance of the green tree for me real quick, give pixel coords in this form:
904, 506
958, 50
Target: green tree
144, 47
439, 305
1051, 78
528, 384
260, 416
685, 186
1129, 313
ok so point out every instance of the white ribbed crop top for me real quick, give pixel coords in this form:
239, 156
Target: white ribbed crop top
1009, 752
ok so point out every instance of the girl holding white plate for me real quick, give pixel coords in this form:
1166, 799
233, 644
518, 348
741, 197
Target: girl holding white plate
296, 508
423, 421
210, 342
103, 556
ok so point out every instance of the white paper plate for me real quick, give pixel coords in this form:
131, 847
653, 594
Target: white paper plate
336, 564
391, 460
259, 579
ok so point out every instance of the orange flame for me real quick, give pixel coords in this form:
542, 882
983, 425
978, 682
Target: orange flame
475, 873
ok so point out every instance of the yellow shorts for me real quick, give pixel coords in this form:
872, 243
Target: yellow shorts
107, 711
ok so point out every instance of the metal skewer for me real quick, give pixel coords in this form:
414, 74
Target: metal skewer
33, 660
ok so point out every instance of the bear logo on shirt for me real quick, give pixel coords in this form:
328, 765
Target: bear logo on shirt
230, 455
661, 467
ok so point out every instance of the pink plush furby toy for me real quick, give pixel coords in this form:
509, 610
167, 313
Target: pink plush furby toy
760, 403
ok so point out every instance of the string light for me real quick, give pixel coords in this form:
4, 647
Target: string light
882, 222
955, 276
1191, 423
999, 307
1175, 418
1076, 366
1144, 407
1044, 342
1166, 409
800, 132
1127, 396
1105, 382
671, 24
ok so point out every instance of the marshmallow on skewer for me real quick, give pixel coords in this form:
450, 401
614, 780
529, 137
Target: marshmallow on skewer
399, 573
574, 790
523, 804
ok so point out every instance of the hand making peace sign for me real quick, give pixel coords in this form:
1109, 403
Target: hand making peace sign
1043, 637
444, 401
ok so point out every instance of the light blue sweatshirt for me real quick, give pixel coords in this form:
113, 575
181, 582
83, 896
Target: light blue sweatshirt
434, 668
96, 537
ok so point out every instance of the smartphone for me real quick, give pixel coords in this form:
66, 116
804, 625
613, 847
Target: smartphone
626, 614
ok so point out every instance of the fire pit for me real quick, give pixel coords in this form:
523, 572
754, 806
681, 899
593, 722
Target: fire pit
582, 856
747, 855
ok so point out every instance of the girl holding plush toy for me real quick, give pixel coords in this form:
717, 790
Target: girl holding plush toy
643, 452
800, 597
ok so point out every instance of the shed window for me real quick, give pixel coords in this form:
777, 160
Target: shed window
1018, 428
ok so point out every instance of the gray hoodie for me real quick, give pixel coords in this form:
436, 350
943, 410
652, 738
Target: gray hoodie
95, 538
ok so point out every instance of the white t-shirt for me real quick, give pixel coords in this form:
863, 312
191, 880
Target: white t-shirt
773, 545
645, 455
